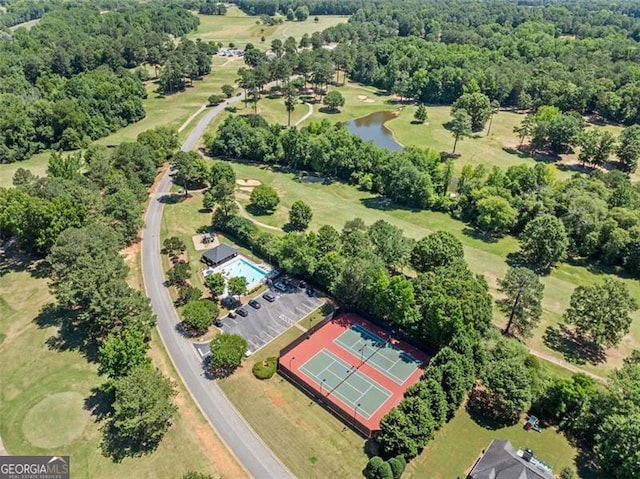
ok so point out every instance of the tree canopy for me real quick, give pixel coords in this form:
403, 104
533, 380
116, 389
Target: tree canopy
227, 351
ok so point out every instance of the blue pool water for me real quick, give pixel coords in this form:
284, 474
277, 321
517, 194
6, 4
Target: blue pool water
240, 267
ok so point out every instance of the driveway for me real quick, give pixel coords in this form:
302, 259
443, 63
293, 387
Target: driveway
264, 325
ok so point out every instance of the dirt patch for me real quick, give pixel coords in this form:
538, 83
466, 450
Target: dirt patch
220, 457
199, 245
243, 196
252, 183
276, 399
130, 254
248, 189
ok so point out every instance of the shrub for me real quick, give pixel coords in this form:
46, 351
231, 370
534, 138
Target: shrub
265, 369
231, 109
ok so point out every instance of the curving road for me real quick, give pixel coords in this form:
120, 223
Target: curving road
244, 443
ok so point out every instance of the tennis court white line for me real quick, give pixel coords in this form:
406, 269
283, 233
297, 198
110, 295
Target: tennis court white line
377, 353
335, 389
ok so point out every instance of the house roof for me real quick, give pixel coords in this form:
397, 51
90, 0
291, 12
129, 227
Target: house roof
219, 253
501, 461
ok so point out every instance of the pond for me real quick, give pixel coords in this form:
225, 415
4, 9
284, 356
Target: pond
371, 127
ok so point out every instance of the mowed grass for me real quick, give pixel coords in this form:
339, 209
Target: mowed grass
460, 442
37, 164
337, 203
44, 391
173, 110
307, 438
238, 28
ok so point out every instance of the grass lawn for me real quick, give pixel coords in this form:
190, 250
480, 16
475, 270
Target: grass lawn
460, 442
307, 438
336, 203
37, 164
44, 392
238, 28
174, 110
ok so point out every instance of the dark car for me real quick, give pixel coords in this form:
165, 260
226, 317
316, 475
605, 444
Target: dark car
269, 297
311, 292
242, 312
255, 304
302, 284
218, 322
280, 287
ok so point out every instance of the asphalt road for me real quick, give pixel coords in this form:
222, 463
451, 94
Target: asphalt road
245, 444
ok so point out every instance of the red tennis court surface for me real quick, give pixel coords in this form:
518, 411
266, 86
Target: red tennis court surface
356, 369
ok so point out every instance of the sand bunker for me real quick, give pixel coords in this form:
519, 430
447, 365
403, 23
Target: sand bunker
252, 183
365, 99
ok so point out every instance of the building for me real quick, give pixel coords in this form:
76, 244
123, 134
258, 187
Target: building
501, 461
219, 255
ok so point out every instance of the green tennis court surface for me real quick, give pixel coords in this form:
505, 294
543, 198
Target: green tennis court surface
338, 378
372, 349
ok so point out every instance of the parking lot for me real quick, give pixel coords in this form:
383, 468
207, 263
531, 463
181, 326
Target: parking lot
263, 325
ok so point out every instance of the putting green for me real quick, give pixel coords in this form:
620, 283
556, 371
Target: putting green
56, 420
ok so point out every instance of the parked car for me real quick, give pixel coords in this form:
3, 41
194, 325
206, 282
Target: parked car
302, 284
255, 304
248, 353
218, 322
280, 287
232, 314
311, 292
242, 312
269, 297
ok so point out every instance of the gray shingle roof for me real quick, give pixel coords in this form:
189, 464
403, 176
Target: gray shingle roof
219, 254
500, 461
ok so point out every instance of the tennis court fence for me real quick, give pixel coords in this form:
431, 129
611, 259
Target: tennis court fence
346, 416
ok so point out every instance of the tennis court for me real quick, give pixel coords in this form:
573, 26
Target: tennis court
338, 378
353, 368
385, 357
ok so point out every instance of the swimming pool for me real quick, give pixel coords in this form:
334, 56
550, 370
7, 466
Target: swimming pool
239, 266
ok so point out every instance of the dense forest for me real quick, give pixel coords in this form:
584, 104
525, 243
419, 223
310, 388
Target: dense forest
578, 56
66, 81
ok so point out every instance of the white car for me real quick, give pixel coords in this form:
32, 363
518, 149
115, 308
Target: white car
248, 353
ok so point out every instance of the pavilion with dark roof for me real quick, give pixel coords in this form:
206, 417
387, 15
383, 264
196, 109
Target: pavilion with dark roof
502, 461
219, 255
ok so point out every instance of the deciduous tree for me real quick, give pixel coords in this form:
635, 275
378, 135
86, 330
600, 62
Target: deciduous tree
237, 286
300, 215
629, 148
227, 351
478, 107
123, 351
264, 198
215, 284
199, 314
437, 249
602, 311
334, 100
544, 241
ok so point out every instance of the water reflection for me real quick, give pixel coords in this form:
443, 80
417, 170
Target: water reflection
371, 127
